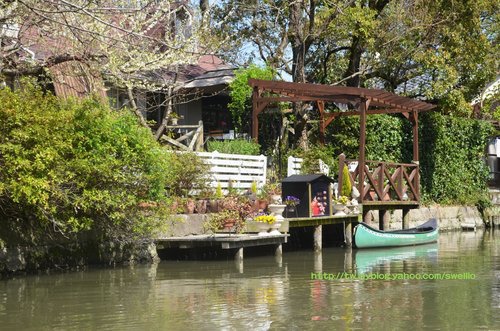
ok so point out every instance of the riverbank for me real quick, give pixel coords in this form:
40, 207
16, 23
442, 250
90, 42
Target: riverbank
29, 259
21, 259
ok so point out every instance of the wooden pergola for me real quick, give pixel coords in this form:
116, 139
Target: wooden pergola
363, 102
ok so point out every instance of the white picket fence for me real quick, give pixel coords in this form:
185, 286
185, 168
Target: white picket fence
240, 170
295, 164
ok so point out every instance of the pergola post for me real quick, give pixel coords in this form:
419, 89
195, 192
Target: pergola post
363, 107
321, 108
257, 108
414, 121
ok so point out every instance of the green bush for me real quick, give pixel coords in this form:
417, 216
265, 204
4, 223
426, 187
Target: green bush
237, 146
310, 165
71, 166
240, 92
388, 138
451, 152
186, 173
346, 183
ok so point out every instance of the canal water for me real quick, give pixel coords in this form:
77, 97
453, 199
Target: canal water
379, 290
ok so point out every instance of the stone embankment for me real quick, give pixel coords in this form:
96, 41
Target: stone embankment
21, 259
449, 217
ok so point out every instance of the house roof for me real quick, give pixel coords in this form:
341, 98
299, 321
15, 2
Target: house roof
208, 72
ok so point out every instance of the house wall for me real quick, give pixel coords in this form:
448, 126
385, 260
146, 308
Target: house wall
191, 112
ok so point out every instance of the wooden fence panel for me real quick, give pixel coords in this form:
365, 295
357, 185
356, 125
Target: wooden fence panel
241, 170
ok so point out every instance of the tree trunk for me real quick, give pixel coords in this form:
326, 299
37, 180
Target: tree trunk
298, 41
166, 116
135, 109
353, 68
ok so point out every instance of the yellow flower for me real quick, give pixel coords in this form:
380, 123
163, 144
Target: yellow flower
270, 219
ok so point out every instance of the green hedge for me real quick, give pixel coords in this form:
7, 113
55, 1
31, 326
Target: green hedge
72, 166
451, 151
237, 146
451, 158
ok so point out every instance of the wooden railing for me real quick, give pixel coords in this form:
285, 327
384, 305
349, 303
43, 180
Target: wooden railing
384, 181
184, 137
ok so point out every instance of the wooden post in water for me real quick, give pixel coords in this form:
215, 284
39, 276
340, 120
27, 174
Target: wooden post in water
384, 218
278, 255
318, 262
318, 234
239, 254
406, 218
348, 260
367, 217
348, 234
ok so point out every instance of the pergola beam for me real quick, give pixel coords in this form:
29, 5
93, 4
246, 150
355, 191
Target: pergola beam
304, 92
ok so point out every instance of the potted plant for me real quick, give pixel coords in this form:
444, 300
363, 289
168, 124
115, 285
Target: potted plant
264, 223
262, 200
174, 118
340, 204
213, 204
274, 192
223, 220
291, 203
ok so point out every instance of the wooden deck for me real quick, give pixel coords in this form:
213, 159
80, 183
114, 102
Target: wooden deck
389, 205
222, 240
225, 241
323, 220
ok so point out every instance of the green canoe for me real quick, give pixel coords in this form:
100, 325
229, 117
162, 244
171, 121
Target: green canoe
365, 236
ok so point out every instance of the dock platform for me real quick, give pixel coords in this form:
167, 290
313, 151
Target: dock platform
224, 241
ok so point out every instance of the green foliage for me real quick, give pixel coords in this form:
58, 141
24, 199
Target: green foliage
186, 173
241, 92
454, 103
253, 188
218, 191
452, 167
71, 166
311, 157
387, 137
346, 182
216, 221
236, 146
451, 151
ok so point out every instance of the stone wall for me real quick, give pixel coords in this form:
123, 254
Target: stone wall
62, 257
449, 217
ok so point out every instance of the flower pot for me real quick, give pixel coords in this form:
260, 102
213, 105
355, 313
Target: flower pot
338, 209
229, 224
213, 206
263, 228
261, 204
189, 207
275, 226
201, 206
291, 211
276, 209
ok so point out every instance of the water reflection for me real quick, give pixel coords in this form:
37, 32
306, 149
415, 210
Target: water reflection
263, 293
367, 260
